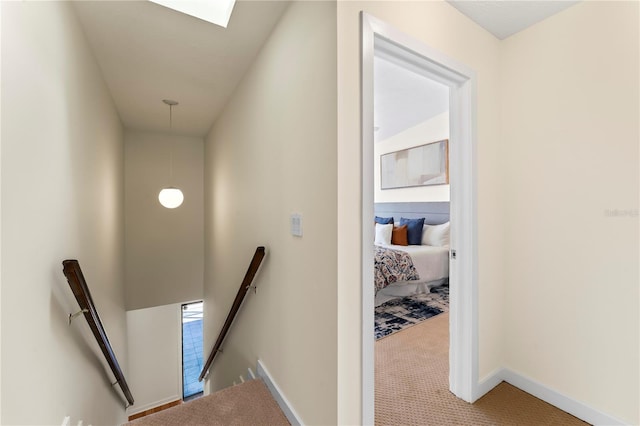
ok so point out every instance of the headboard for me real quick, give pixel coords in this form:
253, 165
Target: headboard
434, 213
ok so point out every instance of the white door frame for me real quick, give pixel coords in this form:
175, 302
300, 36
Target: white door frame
463, 323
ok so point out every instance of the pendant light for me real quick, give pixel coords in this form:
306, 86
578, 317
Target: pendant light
170, 197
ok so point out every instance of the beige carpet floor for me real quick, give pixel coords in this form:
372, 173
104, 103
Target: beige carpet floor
247, 404
412, 386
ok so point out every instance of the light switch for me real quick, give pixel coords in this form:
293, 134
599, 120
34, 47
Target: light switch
296, 224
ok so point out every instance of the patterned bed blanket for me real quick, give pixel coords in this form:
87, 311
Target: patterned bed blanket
392, 266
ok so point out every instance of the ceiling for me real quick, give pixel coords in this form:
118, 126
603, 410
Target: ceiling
505, 18
148, 53
403, 98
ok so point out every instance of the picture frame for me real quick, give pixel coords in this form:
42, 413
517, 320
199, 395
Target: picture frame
422, 165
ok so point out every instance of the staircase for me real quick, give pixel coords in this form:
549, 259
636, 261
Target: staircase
250, 375
249, 403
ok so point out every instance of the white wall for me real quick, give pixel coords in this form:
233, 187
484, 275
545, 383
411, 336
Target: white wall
271, 153
0, 212
154, 339
164, 247
442, 27
571, 132
432, 130
62, 197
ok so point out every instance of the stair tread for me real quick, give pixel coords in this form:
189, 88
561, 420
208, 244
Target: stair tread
247, 403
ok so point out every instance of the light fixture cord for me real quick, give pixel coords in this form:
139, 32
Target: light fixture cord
171, 151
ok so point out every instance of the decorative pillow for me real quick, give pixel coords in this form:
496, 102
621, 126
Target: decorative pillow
384, 220
383, 234
414, 230
399, 236
436, 235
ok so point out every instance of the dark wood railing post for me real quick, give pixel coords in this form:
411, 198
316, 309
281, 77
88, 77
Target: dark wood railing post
242, 291
78, 285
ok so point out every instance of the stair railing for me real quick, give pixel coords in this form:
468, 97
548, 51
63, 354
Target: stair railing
72, 271
242, 291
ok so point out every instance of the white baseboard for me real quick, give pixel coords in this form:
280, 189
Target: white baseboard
282, 401
492, 380
551, 396
135, 409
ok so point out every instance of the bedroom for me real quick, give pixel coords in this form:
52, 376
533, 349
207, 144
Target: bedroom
411, 260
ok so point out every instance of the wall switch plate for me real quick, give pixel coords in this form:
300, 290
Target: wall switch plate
296, 224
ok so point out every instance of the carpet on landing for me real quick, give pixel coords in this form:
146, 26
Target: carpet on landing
249, 403
412, 386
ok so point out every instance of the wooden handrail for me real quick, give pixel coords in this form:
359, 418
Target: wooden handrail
78, 285
242, 291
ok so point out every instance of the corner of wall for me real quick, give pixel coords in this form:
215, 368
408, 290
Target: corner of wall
61, 197
283, 402
272, 141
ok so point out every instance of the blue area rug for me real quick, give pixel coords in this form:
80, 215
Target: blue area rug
398, 314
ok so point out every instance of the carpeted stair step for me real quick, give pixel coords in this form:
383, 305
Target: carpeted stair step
249, 403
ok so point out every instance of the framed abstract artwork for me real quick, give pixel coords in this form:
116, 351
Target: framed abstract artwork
422, 165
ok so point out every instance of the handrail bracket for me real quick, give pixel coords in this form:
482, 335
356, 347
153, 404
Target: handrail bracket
77, 314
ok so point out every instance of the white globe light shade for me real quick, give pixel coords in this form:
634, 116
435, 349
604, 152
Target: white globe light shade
170, 198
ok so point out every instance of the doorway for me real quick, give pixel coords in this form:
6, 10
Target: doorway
379, 38
192, 316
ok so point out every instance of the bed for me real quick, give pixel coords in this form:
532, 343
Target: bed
402, 270
432, 267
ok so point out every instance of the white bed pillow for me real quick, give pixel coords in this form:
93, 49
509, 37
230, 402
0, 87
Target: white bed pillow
383, 234
436, 235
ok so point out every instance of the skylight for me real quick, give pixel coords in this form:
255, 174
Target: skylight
215, 11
